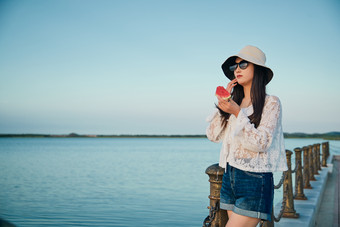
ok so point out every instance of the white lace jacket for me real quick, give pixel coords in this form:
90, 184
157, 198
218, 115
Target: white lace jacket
248, 148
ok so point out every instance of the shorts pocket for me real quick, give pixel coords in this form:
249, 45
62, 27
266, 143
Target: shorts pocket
253, 174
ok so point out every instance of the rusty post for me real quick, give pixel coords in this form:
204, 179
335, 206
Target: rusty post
289, 211
315, 160
215, 173
318, 155
306, 183
324, 155
299, 195
311, 165
327, 150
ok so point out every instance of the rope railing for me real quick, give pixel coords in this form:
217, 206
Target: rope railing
283, 207
306, 166
280, 182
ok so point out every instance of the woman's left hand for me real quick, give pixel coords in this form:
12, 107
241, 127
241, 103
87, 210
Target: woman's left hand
228, 106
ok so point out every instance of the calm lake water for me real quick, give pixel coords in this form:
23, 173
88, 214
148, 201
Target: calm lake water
110, 181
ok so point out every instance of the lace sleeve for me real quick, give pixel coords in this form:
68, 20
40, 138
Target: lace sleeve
215, 130
259, 139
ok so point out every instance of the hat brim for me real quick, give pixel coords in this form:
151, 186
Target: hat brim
231, 60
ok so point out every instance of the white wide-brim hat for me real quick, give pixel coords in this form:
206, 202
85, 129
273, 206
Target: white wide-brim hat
251, 54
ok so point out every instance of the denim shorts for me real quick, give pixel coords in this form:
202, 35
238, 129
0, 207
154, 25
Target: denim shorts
247, 193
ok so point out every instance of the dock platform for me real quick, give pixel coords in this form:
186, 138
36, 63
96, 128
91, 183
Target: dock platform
322, 206
328, 214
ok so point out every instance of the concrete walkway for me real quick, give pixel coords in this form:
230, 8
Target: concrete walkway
321, 208
329, 209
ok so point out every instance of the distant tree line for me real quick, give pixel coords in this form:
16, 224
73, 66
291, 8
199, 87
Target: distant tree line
326, 136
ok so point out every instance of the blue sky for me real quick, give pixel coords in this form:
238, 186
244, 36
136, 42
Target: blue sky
151, 67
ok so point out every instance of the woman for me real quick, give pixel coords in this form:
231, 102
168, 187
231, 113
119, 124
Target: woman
249, 127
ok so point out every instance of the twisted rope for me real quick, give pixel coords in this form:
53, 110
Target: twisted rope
281, 181
212, 214
296, 167
283, 207
294, 171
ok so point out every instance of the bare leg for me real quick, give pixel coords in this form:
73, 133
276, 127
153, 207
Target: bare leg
236, 220
230, 213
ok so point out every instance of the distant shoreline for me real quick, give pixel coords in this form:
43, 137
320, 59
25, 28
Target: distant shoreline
100, 136
326, 136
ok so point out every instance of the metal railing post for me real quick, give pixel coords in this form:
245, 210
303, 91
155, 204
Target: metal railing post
327, 150
299, 195
315, 160
306, 174
311, 165
289, 211
216, 217
318, 156
324, 155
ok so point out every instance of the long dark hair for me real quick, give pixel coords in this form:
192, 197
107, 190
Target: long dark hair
257, 95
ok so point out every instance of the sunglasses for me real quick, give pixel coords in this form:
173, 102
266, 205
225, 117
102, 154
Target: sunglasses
242, 64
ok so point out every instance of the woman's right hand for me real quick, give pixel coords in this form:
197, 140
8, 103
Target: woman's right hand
228, 106
231, 85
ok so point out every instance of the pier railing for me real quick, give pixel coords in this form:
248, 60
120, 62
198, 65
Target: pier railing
305, 170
